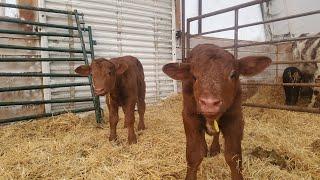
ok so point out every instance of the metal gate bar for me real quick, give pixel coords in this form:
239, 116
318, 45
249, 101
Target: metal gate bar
39, 59
37, 74
236, 45
272, 42
283, 107
5, 46
84, 59
284, 84
17, 119
5, 31
18, 21
45, 101
37, 8
23, 88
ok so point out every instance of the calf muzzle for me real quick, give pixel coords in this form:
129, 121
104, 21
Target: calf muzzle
209, 106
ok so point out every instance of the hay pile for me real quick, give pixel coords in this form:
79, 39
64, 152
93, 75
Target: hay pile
276, 145
274, 95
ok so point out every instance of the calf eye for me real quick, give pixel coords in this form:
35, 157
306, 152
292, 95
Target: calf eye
233, 75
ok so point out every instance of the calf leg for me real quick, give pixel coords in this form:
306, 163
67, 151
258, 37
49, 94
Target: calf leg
233, 155
141, 111
141, 105
129, 120
125, 124
215, 146
314, 97
113, 120
196, 146
108, 101
287, 94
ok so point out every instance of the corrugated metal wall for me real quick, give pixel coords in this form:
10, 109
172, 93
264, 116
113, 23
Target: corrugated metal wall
141, 28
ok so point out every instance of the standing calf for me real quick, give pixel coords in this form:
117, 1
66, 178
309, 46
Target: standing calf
123, 78
291, 75
212, 100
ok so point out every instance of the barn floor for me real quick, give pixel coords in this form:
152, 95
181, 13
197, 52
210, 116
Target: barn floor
277, 145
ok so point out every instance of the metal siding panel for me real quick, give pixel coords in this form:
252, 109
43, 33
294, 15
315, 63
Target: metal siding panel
139, 28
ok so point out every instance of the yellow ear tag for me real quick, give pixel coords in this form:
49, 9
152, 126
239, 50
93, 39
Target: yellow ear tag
215, 126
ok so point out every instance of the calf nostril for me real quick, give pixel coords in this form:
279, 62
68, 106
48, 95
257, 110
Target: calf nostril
217, 103
202, 101
210, 102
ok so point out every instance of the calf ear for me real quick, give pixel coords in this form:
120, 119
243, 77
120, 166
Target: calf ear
177, 71
83, 70
252, 65
121, 68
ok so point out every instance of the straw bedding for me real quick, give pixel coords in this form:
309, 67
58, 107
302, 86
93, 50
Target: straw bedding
277, 145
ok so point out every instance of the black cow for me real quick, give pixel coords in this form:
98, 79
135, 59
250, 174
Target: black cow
292, 75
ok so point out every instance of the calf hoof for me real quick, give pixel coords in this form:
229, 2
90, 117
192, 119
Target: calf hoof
214, 150
113, 137
141, 127
132, 139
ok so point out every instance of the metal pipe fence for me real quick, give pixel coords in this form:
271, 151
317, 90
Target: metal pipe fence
236, 45
14, 59
81, 29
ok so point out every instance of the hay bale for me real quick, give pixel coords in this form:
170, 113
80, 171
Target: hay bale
72, 147
268, 95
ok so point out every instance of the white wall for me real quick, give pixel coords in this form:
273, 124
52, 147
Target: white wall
281, 8
247, 15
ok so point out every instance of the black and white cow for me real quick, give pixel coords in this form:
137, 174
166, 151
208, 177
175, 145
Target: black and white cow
308, 50
291, 75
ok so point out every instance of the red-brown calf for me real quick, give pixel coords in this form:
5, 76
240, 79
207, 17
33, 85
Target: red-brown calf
212, 101
123, 78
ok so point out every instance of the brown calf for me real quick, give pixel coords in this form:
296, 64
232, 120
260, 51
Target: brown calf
212, 101
123, 78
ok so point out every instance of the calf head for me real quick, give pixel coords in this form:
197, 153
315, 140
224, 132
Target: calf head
103, 73
215, 78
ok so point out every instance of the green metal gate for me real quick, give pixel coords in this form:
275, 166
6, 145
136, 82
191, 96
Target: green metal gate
80, 30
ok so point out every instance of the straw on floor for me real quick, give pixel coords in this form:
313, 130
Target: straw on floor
276, 145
